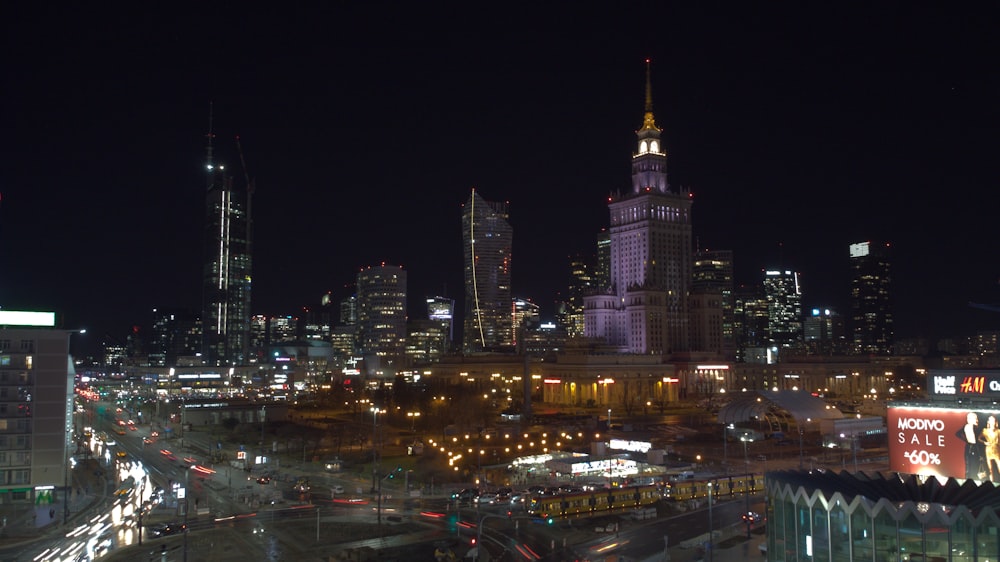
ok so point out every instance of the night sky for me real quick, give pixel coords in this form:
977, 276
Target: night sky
799, 130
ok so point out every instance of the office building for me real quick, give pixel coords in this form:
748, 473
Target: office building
36, 409
784, 308
646, 309
487, 239
824, 332
871, 298
176, 332
712, 274
382, 312
227, 268
442, 311
581, 283
750, 323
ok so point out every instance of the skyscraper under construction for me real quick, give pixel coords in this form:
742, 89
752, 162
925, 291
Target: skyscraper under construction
227, 266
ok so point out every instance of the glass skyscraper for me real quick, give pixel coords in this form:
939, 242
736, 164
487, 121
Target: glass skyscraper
487, 239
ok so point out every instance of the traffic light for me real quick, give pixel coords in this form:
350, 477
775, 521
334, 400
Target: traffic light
473, 542
549, 520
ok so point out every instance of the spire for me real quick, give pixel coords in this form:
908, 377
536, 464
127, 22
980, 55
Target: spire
647, 121
209, 167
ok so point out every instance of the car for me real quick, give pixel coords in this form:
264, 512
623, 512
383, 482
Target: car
166, 529
119, 431
465, 494
752, 517
264, 480
338, 489
121, 454
519, 497
486, 497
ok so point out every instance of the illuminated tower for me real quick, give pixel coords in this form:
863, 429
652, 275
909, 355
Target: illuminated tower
784, 307
382, 312
871, 304
712, 274
646, 310
227, 272
487, 238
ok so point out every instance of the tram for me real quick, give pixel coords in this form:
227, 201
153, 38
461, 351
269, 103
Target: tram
722, 487
591, 502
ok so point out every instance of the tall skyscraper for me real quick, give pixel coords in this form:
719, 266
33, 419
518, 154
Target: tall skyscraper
227, 272
871, 298
823, 332
784, 307
602, 273
176, 332
712, 273
382, 311
651, 253
487, 239
442, 311
581, 283
750, 322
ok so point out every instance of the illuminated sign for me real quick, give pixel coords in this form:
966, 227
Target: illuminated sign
640, 446
27, 318
967, 382
615, 467
552, 381
945, 442
859, 250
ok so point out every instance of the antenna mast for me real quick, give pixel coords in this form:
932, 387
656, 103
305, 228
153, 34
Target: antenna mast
208, 149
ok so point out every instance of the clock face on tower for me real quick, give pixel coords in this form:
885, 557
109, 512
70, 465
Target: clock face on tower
642, 147
654, 146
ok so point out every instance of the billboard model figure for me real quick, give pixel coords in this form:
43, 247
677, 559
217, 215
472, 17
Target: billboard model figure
990, 438
973, 455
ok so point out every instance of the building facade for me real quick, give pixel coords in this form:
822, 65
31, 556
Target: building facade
36, 413
712, 274
646, 309
784, 308
487, 240
227, 275
871, 298
381, 325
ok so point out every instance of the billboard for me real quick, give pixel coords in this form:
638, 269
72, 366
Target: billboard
951, 383
946, 442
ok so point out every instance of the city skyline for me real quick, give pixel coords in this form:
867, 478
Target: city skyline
799, 134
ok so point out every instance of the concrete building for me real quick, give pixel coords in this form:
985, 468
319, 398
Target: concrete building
646, 310
36, 409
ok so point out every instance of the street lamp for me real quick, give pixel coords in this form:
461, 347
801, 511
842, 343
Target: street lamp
711, 532
801, 431
746, 482
375, 411
413, 419
187, 479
